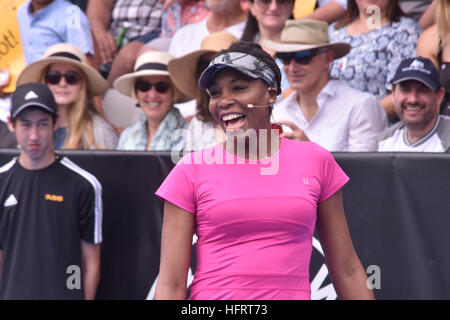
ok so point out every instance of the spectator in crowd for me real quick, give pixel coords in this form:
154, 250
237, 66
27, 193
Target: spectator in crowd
152, 86
203, 131
250, 224
420, 10
265, 21
44, 23
74, 83
51, 212
323, 110
133, 23
176, 16
327, 10
434, 44
7, 138
225, 16
380, 39
417, 98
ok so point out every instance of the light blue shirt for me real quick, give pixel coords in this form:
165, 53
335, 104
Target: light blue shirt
343, 3
60, 21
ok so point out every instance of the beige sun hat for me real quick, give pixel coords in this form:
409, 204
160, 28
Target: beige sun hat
67, 53
151, 63
184, 69
304, 34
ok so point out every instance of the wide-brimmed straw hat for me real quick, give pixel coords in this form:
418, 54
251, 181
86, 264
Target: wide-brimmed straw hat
151, 63
184, 69
305, 34
66, 53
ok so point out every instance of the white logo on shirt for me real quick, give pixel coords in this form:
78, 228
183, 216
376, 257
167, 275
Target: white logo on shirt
31, 95
11, 201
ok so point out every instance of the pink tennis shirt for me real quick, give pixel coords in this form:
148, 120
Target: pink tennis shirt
254, 230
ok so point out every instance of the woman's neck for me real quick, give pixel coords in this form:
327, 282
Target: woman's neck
152, 127
366, 23
269, 34
63, 116
222, 20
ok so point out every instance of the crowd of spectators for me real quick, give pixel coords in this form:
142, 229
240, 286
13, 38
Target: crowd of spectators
351, 76
104, 43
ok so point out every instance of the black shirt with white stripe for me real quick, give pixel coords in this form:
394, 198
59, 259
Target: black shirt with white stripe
44, 215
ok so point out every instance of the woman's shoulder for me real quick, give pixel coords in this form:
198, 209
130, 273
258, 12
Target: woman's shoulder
306, 152
294, 146
335, 33
104, 133
99, 121
406, 23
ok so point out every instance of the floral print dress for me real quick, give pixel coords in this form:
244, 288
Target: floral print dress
371, 63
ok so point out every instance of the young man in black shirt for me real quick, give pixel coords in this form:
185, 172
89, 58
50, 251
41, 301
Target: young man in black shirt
50, 210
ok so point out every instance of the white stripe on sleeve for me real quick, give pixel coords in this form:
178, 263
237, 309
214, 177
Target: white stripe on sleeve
98, 196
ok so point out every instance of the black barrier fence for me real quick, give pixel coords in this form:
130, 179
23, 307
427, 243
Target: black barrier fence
397, 206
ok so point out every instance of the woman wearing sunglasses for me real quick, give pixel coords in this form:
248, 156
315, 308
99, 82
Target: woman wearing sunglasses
381, 37
74, 84
151, 85
266, 20
254, 227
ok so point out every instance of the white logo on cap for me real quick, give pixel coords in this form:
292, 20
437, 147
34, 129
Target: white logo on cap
416, 64
11, 201
31, 95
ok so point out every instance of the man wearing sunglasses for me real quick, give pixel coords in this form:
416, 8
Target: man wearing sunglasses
321, 109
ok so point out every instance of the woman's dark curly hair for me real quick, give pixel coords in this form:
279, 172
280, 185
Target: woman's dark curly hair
255, 50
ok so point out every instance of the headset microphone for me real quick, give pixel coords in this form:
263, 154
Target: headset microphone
253, 106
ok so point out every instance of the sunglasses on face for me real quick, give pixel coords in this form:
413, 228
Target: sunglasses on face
300, 57
54, 77
266, 3
144, 86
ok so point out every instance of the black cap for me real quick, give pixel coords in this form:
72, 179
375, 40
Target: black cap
32, 95
420, 69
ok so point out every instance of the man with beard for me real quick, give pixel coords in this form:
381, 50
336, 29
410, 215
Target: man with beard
417, 97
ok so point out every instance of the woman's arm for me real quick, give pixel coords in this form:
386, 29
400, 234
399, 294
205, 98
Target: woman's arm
330, 12
346, 272
99, 14
429, 16
176, 247
428, 45
388, 104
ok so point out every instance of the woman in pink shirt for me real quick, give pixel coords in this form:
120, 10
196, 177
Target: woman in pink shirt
254, 200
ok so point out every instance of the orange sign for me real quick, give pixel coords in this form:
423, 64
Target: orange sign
11, 53
303, 8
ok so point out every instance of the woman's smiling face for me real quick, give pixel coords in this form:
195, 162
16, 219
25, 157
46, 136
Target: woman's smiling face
154, 103
230, 93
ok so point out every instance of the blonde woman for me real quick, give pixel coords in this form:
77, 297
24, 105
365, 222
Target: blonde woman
434, 44
73, 83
